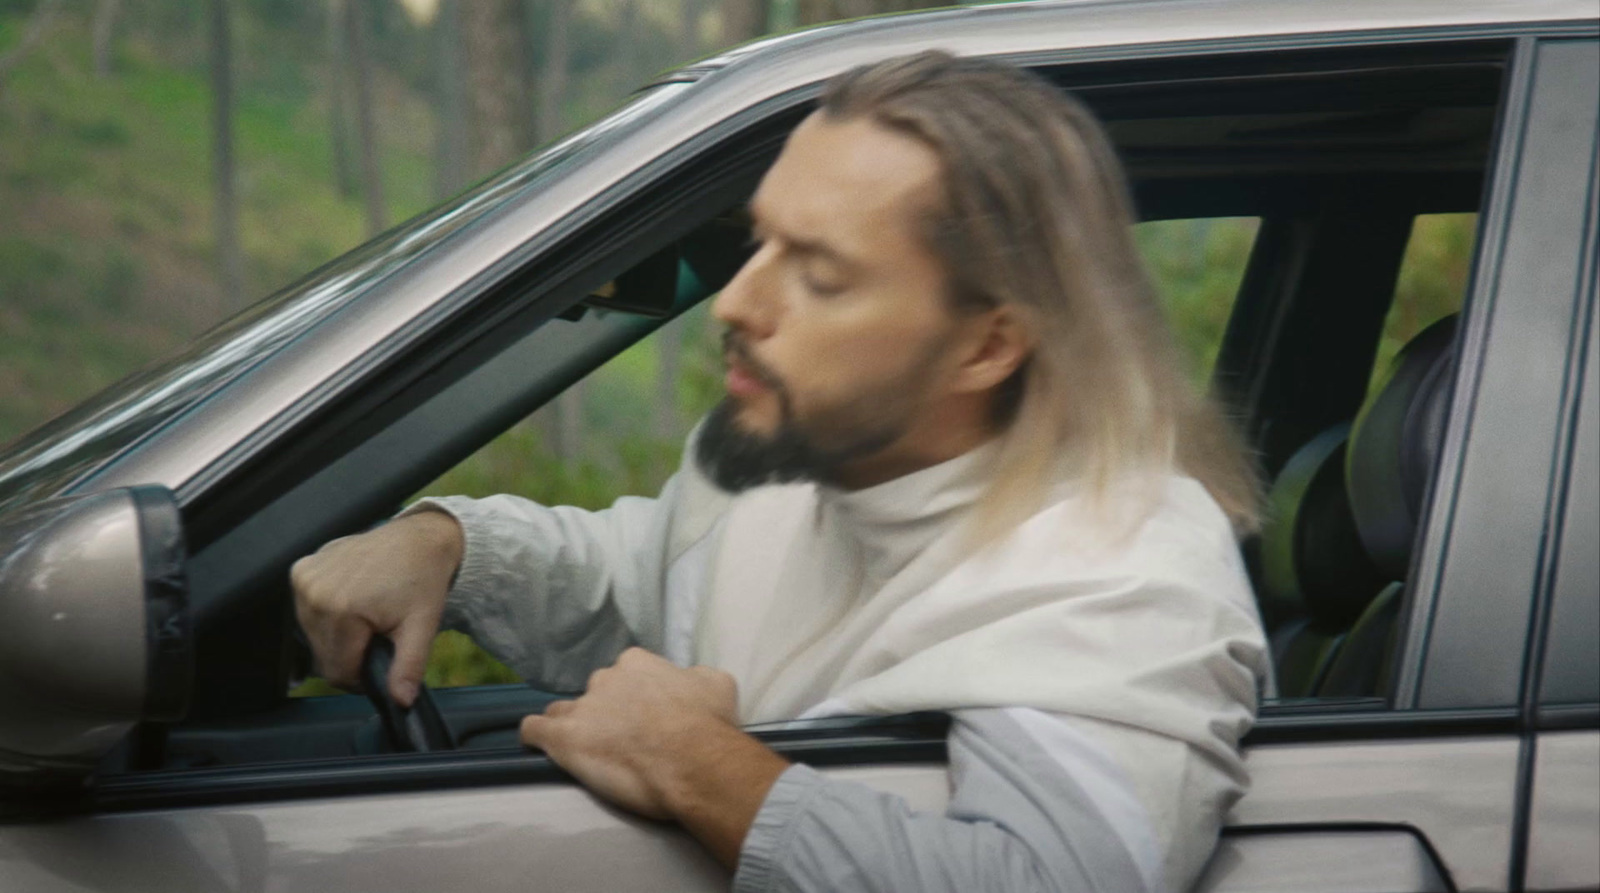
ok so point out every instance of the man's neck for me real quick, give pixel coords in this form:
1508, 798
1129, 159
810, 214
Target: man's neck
917, 449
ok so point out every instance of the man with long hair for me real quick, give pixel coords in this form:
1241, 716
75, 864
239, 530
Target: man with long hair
957, 468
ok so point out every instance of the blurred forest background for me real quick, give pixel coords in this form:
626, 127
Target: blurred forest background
165, 163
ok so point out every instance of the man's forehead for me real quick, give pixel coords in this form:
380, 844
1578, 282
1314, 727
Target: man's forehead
850, 178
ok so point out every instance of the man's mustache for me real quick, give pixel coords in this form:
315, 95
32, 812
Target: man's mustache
736, 348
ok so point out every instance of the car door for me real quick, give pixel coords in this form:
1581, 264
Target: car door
1428, 795
1564, 800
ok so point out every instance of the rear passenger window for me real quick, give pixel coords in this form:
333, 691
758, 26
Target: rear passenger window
1344, 511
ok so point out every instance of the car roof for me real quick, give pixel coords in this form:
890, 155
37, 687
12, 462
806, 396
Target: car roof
1021, 28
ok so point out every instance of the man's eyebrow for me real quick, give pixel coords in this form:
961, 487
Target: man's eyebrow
798, 244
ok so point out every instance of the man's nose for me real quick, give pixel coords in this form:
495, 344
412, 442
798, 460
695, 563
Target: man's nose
746, 303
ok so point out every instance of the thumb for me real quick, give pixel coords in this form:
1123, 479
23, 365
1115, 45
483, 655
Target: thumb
412, 642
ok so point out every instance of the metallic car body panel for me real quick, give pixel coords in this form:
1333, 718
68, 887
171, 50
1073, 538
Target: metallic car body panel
276, 393
1456, 793
528, 837
1564, 827
1509, 398
1572, 651
1459, 793
72, 631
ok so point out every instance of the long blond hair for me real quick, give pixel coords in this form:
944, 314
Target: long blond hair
1036, 214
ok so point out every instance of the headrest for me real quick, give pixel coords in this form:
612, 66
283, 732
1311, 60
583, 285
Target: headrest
1312, 561
1394, 446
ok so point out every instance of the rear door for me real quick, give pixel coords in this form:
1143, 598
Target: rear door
1427, 795
1563, 823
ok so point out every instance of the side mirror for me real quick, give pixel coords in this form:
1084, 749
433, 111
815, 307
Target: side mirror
94, 628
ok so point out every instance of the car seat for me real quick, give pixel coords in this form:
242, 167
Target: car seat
1341, 517
1316, 579
1394, 447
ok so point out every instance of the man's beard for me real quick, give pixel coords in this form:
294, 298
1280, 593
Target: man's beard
737, 459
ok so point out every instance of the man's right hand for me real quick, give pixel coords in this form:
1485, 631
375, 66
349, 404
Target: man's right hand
392, 581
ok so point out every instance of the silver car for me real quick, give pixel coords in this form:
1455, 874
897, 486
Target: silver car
1428, 575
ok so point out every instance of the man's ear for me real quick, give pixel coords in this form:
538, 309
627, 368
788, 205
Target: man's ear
1000, 341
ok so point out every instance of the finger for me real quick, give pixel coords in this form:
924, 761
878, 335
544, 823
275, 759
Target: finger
309, 609
598, 678
536, 731
412, 642
560, 708
300, 577
716, 680
305, 580
344, 646
721, 692
306, 616
639, 656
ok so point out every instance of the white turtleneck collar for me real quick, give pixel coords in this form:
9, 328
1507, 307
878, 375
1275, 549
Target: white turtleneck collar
896, 520
804, 571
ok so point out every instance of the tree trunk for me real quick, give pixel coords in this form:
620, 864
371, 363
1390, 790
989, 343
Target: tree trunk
570, 417
637, 66
571, 427
344, 169
689, 30
490, 30
743, 20
33, 32
553, 77
783, 15
812, 12
226, 207
102, 29
669, 360
669, 338
450, 147
498, 39
366, 130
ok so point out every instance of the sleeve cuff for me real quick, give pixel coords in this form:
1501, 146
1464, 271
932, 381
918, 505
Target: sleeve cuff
773, 830
469, 586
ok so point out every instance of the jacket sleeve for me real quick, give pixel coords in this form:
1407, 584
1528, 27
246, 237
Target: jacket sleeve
557, 592
1036, 805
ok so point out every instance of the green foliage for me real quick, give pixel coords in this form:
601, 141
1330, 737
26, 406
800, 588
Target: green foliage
106, 259
1433, 281
54, 343
1196, 266
455, 660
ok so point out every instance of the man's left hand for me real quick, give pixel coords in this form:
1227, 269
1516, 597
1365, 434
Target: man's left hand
664, 742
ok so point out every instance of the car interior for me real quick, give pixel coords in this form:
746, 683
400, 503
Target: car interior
1335, 151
